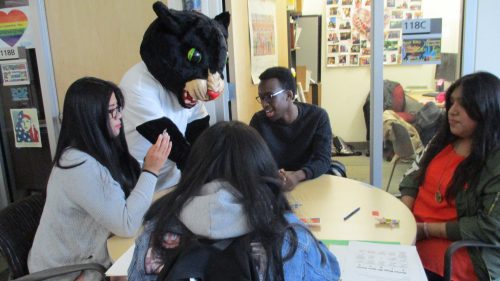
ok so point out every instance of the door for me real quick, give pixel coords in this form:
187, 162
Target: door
26, 127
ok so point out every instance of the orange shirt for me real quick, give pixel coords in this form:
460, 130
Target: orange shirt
428, 209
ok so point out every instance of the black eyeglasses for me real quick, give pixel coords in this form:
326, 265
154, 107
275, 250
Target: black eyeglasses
268, 98
114, 112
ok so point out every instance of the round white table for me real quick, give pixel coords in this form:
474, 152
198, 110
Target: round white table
331, 199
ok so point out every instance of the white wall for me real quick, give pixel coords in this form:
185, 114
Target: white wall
344, 89
488, 37
451, 13
177, 4
313, 7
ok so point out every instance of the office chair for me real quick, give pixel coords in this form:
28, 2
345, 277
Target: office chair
337, 169
457, 245
395, 100
403, 147
18, 224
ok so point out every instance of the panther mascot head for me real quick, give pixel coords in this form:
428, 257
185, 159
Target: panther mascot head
186, 52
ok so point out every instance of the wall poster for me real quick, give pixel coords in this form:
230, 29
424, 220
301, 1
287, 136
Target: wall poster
27, 128
348, 30
263, 44
15, 27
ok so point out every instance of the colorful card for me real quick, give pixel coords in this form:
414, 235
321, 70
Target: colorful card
311, 221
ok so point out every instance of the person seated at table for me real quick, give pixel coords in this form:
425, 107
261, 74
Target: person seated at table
96, 188
453, 190
298, 134
231, 187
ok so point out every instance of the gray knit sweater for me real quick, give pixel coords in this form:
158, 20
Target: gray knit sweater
84, 206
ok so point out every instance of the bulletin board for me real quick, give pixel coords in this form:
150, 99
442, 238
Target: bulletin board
348, 30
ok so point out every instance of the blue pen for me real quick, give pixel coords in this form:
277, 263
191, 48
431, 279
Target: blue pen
352, 213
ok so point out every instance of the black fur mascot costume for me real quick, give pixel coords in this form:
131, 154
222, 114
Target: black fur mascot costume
183, 55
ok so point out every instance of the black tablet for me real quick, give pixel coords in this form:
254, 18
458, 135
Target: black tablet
180, 146
152, 129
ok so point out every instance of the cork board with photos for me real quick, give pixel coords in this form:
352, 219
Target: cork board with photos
348, 30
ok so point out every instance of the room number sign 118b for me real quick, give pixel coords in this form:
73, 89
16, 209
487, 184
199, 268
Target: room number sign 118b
8, 53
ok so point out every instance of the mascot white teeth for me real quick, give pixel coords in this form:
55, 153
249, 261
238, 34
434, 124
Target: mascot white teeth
183, 56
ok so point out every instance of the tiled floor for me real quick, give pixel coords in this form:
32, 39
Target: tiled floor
358, 168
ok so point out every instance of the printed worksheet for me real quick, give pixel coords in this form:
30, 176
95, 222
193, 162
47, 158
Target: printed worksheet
362, 261
120, 266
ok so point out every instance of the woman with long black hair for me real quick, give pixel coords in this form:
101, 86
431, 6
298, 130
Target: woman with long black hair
231, 187
96, 188
454, 190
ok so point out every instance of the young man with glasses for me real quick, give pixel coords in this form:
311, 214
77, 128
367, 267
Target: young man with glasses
298, 134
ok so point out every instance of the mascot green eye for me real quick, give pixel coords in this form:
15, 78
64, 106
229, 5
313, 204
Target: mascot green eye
194, 56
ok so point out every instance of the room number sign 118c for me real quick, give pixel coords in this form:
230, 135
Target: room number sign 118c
416, 26
8, 53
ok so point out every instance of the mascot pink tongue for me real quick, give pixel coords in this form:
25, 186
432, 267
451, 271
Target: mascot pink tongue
213, 95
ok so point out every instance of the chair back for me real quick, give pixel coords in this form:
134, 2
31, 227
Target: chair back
403, 146
18, 224
398, 96
337, 169
484, 273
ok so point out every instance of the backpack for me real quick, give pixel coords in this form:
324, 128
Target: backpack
212, 260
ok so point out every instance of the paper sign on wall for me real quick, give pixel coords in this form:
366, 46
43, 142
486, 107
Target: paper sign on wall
15, 72
263, 43
15, 27
421, 41
26, 127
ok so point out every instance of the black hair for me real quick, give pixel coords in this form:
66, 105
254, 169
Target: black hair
236, 153
85, 126
284, 76
481, 101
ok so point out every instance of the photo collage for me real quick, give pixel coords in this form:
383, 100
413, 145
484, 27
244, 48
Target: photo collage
348, 30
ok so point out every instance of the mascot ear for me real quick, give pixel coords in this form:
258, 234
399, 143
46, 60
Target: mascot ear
167, 19
223, 19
